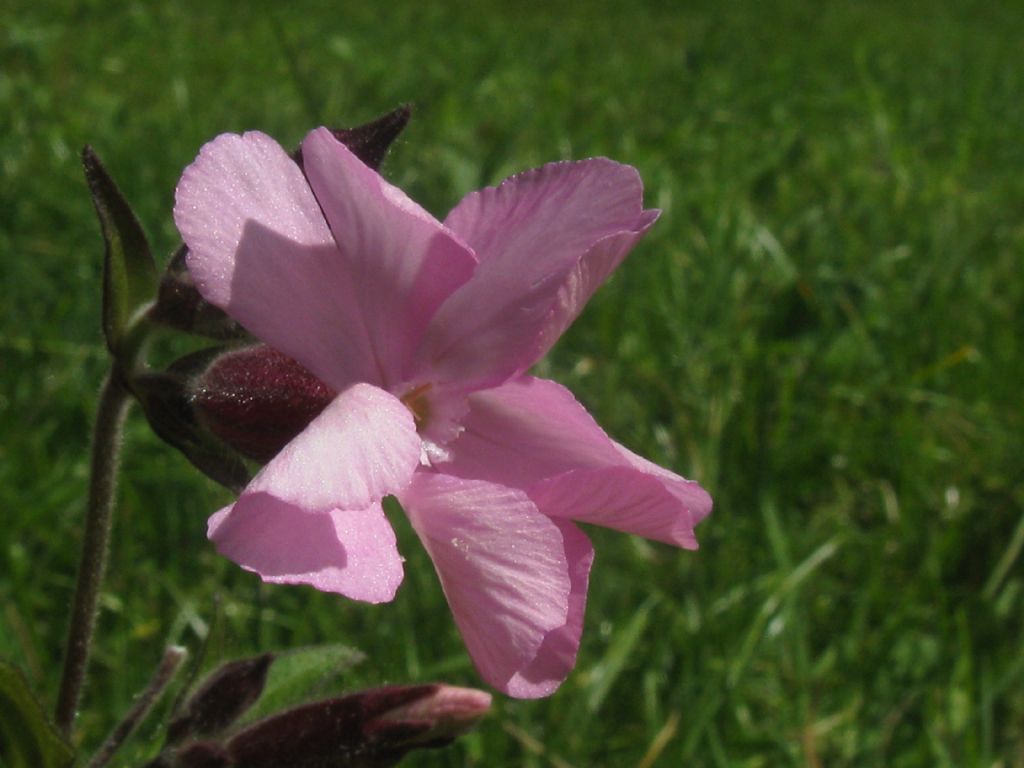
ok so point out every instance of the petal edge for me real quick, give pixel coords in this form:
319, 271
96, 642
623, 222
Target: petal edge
505, 569
350, 552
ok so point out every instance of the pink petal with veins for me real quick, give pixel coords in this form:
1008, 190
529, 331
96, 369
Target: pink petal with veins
533, 434
515, 580
527, 430
425, 330
530, 233
588, 275
624, 499
402, 261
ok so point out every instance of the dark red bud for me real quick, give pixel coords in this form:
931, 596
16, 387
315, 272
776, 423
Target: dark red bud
370, 141
179, 305
222, 698
371, 728
256, 400
166, 402
450, 710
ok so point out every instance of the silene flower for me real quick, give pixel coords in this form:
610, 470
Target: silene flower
425, 330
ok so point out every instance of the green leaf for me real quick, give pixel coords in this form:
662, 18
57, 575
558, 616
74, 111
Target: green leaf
27, 737
130, 277
303, 674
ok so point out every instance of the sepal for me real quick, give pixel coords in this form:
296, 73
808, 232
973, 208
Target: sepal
222, 405
371, 141
222, 698
166, 402
129, 272
284, 709
302, 674
180, 306
257, 399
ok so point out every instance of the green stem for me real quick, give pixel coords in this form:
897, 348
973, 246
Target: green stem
106, 444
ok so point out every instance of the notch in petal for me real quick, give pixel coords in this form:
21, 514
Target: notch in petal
588, 275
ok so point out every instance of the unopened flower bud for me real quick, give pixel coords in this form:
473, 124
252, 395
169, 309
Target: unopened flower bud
370, 729
450, 710
179, 305
256, 400
222, 698
370, 141
219, 405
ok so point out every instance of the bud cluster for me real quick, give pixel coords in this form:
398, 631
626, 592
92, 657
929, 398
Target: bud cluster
367, 729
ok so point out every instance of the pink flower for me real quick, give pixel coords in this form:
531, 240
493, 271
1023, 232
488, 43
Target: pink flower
426, 330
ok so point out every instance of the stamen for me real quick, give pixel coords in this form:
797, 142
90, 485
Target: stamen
418, 404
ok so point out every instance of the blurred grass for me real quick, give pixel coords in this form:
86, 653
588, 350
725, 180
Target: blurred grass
824, 329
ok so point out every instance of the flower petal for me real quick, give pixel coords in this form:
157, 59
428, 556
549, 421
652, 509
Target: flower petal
588, 275
621, 498
362, 447
527, 430
260, 249
352, 552
688, 492
403, 262
529, 233
557, 654
515, 580
532, 434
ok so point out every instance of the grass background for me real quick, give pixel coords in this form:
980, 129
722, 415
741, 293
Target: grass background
824, 329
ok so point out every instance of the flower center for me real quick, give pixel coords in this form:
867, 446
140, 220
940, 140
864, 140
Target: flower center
438, 413
418, 404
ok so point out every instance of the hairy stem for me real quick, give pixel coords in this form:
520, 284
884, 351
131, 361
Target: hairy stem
144, 702
106, 444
